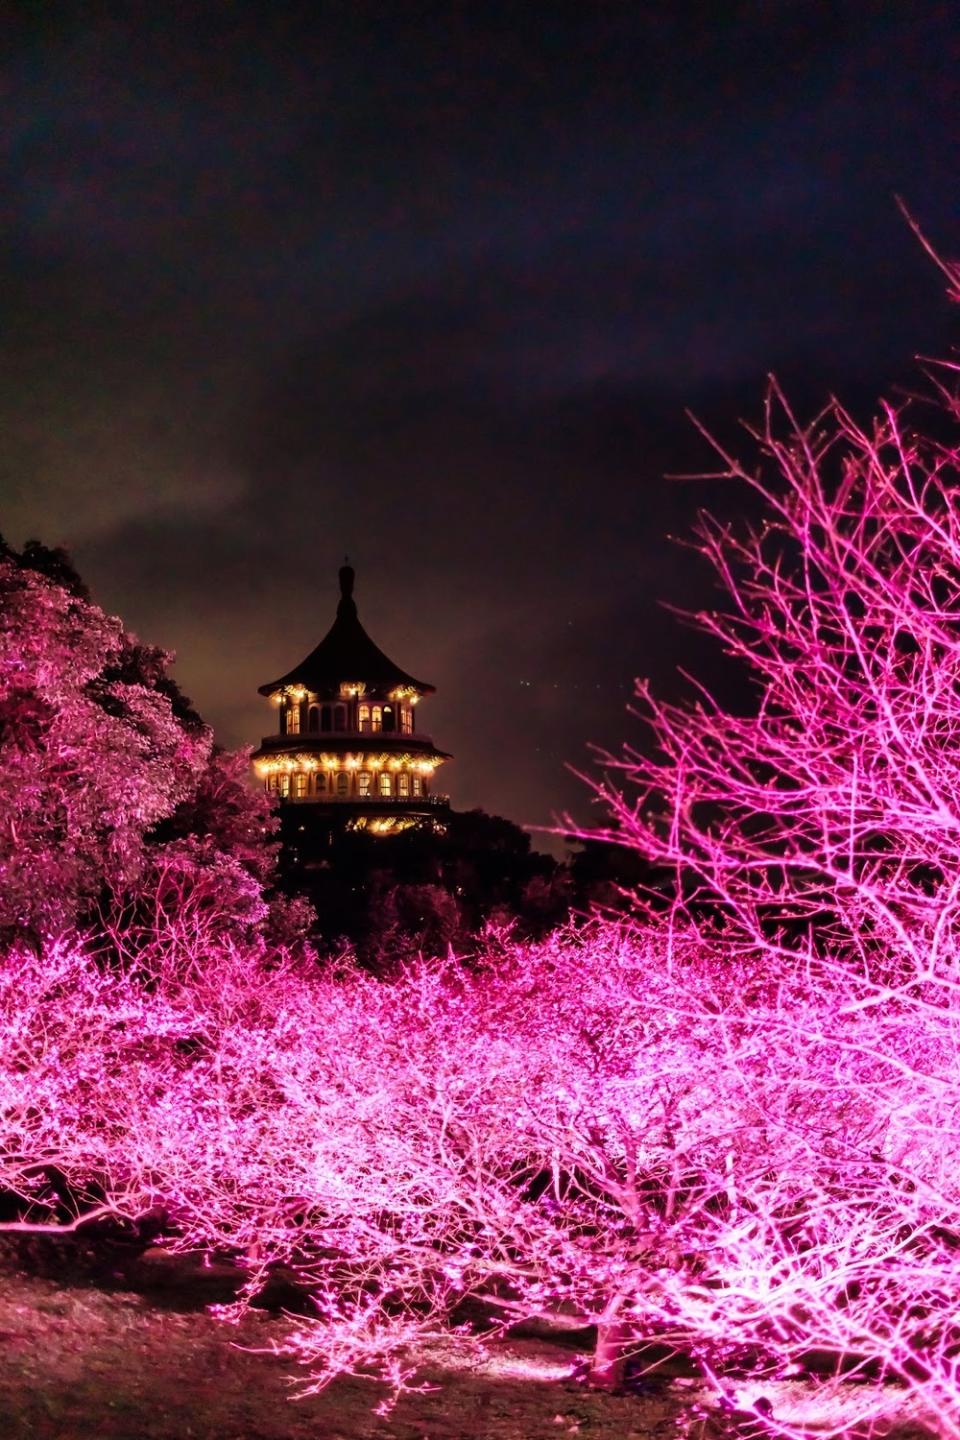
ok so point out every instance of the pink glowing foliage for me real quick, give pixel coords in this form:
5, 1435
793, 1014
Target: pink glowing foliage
815, 834
743, 1160
547, 1133
118, 812
827, 813
91, 756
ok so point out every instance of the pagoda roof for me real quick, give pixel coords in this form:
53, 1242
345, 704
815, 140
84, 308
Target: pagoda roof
346, 654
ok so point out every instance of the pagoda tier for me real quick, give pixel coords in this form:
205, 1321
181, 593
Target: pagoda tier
347, 742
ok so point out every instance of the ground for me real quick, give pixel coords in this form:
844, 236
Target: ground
82, 1361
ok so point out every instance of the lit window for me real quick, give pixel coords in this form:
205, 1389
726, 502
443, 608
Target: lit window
363, 718
377, 718
299, 785
417, 785
343, 783
406, 720
283, 785
403, 783
363, 782
293, 718
385, 787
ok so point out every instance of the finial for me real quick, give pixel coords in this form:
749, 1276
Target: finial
346, 578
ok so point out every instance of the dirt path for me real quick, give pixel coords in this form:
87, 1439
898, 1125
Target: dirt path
78, 1362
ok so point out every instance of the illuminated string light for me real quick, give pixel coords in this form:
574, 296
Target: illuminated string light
267, 765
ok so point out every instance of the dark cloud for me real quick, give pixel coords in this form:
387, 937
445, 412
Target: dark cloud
433, 285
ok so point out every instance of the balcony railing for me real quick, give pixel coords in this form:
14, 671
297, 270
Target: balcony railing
305, 734
418, 738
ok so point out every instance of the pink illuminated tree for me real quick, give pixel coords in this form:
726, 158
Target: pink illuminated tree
827, 813
816, 831
118, 811
93, 751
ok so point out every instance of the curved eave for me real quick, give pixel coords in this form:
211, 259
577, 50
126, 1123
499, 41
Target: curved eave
404, 747
316, 684
350, 740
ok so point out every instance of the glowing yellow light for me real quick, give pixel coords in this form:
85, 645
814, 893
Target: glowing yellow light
382, 825
352, 762
394, 764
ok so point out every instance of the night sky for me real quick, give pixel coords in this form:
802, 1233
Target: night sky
432, 285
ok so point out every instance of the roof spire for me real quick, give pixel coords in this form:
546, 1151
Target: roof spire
346, 654
348, 606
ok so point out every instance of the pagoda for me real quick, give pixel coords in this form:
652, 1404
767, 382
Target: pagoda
347, 744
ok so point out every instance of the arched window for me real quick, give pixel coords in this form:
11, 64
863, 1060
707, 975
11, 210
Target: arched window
389, 718
403, 784
339, 717
385, 786
376, 718
343, 783
283, 786
320, 782
406, 720
363, 719
325, 719
363, 782
293, 718
313, 718
417, 785
299, 785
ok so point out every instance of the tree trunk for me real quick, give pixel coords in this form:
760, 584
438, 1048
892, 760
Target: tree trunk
608, 1367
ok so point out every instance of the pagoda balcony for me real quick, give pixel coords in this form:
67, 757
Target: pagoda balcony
328, 739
